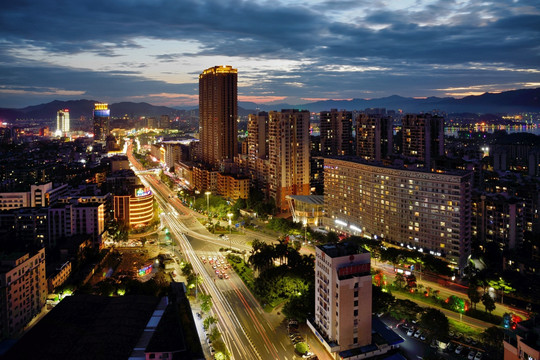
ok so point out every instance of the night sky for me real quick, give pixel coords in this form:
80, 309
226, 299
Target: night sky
285, 51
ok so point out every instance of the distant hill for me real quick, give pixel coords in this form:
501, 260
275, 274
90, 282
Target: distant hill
508, 101
504, 102
78, 108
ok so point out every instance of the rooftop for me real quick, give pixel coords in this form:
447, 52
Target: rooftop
341, 249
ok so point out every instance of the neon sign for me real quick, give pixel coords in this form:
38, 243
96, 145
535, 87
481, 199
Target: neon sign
143, 192
145, 270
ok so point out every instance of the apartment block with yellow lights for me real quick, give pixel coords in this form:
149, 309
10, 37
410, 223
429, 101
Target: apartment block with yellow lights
426, 211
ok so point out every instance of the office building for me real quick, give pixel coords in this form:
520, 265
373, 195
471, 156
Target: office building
288, 155
343, 296
23, 290
429, 212
374, 137
423, 137
336, 132
102, 116
62, 122
39, 196
218, 110
135, 210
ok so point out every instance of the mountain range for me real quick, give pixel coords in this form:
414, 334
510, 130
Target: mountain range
523, 100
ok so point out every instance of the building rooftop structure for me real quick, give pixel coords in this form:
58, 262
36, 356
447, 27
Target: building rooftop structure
341, 249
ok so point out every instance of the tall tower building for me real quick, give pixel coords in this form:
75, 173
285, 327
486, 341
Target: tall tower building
343, 296
374, 136
336, 132
423, 137
102, 115
218, 109
257, 149
288, 155
62, 122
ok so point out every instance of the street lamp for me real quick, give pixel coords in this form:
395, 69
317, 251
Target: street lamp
305, 230
208, 202
230, 228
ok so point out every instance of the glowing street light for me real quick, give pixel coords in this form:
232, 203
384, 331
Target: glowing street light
208, 202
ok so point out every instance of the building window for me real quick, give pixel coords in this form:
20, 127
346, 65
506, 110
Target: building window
355, 302
152, 356
356, 293
355, 340
355, 312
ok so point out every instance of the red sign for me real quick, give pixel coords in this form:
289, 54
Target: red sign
353, 269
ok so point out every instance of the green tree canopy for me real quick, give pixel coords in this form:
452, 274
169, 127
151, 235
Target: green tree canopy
435, 322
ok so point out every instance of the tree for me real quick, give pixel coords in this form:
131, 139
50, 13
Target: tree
399, 280
473, 294
187, 269
206, 302
488, 302
378, 278
209, 321
302, 348
435, 322
404, 309
493, 337
381, 300
501, 285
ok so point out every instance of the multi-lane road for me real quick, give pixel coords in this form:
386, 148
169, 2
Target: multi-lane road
247, 331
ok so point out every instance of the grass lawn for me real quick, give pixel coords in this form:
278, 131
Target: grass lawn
464, 329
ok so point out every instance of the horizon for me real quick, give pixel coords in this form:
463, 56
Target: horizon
289, 51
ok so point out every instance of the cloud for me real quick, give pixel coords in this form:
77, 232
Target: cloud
290, 49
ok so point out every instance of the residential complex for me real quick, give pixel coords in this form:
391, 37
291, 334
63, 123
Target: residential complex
426, 211
23, 290
374, 136
336, 129
288, 155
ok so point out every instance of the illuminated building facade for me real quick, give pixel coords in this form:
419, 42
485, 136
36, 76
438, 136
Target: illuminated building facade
257, 144
62, 122
342, 296
233, 186
288, 155
423, 137
102, 116
336, 132
218, 111
374, 136
429, 212
135, 210
23, 290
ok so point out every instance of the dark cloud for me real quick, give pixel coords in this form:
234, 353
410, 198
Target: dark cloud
441, 45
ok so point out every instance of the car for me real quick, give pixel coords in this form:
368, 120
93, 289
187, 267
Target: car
468, 340
450, 347
459, 349
410, 332
422, 337
478, 356
199, 316
218, 272
307, 355
471, 355
203, 257
226, 276
417, 334
214, 267
212, 351
451, 334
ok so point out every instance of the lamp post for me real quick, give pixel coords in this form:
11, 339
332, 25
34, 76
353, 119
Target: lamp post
229, 215
305, 231
208, 202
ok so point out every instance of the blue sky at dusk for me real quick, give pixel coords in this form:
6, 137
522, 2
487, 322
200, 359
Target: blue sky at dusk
285, 51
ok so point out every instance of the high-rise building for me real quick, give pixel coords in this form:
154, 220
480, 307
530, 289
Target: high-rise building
336, 132
423, 137
23, 290
288, 155
343, 296
257, 152
374, 136
62, 122
218, 109
429, 212
102, 116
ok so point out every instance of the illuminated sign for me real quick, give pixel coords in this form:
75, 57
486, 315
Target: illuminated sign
356, 269
143, 192
102, 113
145, 270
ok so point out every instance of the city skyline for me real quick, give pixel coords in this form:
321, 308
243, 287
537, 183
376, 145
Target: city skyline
288, 51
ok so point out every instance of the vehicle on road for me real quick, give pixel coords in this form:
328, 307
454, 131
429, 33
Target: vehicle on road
410, 332
459, 349
478, 356
471, 355
417, 334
